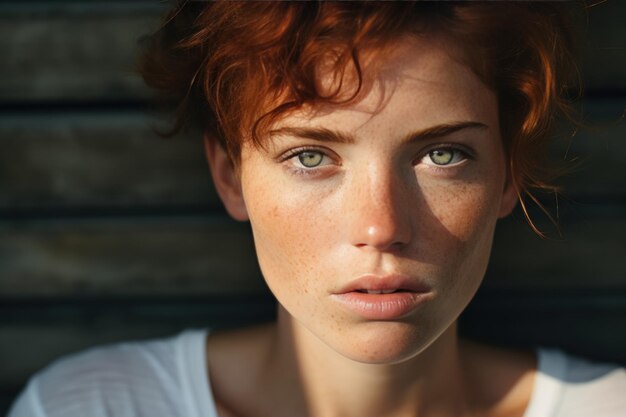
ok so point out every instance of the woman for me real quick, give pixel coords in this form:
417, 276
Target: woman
372, 147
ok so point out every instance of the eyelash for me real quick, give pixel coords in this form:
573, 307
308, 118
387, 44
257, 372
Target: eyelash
465, 152
301, 170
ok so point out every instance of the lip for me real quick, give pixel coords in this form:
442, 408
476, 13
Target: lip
409, 296
387, 282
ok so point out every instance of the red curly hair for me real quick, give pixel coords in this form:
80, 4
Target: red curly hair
233, 68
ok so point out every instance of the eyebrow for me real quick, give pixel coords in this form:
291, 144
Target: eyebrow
322, 134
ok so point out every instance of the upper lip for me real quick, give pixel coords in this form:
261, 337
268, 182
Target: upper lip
384, 282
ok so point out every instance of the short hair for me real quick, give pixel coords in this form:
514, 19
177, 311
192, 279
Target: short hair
233, 68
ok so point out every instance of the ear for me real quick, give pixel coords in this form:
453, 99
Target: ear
226, 179
510, 196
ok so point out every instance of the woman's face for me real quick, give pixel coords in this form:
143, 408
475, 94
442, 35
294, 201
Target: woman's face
397, 192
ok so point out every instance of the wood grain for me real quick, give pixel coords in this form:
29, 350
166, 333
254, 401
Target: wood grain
60, 51
127, 256
85, 51
588, 254
108, 160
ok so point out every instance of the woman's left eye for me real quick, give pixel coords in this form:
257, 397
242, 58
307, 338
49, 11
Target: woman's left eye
444, 157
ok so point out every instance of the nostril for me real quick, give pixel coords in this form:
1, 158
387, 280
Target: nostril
382, 222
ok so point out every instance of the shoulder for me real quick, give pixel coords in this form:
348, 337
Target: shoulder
583, 387
145, 378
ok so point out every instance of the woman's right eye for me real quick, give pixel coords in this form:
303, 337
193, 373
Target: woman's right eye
310, 159
307, 159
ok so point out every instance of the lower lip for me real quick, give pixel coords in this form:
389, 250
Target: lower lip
381, 306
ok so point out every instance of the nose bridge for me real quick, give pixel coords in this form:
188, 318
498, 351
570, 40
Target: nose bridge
380, 215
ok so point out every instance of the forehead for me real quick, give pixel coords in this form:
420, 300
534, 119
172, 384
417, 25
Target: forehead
421, 81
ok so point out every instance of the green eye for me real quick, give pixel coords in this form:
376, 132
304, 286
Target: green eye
445, 156
441, 156
310, 159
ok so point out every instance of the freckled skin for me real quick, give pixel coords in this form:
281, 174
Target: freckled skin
375, 210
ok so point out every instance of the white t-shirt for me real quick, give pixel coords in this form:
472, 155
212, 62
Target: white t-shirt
168, 378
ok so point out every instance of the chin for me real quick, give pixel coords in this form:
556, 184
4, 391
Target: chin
384, 343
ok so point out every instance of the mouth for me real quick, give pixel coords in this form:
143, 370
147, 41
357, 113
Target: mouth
382, 298
387, 284
363, 291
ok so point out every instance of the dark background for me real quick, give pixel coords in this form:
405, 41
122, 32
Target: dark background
109, 233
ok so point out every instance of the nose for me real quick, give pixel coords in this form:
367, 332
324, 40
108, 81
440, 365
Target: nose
379, 211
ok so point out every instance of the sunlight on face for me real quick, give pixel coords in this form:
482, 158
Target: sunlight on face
405, 185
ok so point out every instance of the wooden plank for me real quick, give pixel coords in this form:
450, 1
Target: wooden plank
114, 160
587, 323
127, 256
589, 253
602, 42
597, 152
86, 51
73, 51
108, 160
159, 256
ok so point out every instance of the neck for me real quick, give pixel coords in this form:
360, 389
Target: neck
321, 382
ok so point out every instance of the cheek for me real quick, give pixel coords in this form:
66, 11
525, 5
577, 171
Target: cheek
465, 215
291, 232
463, 210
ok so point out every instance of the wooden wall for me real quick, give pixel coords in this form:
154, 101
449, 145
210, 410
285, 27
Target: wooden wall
108, 232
